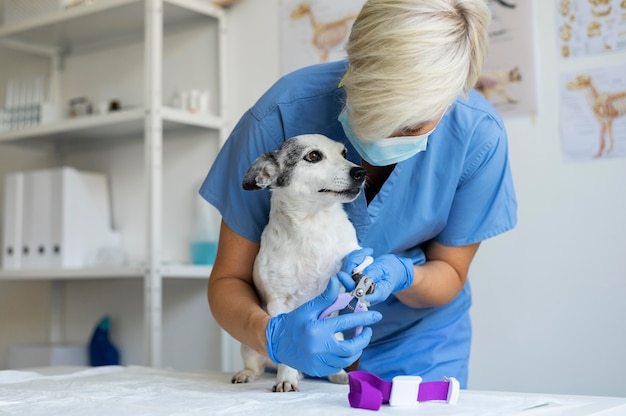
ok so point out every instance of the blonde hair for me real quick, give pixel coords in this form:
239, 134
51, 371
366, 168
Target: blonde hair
410, 59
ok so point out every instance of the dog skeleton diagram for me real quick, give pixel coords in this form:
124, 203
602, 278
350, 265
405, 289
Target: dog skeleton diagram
497, 82
606, 107
508, 77
326, 35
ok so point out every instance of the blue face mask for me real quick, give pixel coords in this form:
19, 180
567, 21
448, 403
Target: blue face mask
385, 152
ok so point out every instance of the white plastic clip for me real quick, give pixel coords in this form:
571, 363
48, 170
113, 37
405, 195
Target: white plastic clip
404, 390
453, 390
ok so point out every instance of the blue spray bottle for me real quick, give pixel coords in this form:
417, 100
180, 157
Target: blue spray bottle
101, 349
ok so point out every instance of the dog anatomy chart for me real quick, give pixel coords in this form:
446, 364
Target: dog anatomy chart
593, 113
508, 79
587, 27
314, 31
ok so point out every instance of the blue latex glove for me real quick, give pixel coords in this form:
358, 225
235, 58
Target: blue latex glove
391, 273
306, 343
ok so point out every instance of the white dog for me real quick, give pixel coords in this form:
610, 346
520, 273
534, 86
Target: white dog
307, 236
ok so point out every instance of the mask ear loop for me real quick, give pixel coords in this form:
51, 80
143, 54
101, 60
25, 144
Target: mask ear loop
343, 79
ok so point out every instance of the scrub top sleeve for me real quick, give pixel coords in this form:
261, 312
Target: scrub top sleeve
484, 204
245, 212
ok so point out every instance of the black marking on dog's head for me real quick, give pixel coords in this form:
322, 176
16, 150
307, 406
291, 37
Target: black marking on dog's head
262, 173
273, 168
290, 154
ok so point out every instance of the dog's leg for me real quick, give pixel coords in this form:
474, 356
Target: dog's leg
286, 379
340, 377
254, 364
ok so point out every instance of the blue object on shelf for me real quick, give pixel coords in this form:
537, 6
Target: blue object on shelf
203, 252
205, 232
101, 349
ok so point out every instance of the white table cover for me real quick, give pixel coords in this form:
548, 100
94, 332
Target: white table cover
138, 391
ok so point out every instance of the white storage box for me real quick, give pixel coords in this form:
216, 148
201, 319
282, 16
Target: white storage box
44, 355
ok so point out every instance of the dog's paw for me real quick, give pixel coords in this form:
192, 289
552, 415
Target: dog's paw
244, 376
339, 378
285, 386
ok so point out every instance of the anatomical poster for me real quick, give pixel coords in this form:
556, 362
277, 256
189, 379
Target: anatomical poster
587, 27
508, 79
314, 31
593, 114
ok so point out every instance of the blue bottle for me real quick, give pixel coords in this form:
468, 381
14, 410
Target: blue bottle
101, 349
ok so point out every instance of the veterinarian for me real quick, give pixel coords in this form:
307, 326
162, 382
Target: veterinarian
439, 183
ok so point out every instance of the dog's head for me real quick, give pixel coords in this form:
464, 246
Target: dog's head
311, 167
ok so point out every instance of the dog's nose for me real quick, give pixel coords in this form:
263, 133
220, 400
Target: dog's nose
358, 173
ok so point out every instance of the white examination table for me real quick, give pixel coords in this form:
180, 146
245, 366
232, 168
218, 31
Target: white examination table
138, 391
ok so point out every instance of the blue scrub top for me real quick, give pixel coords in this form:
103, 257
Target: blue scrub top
458, 191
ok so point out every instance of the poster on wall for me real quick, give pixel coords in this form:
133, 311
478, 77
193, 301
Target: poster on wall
314, 31
587, 27
593, 113
508, 79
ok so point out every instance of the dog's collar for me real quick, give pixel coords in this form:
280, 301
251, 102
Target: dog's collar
368, 391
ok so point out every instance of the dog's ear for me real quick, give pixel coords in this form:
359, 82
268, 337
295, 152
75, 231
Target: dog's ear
262, 173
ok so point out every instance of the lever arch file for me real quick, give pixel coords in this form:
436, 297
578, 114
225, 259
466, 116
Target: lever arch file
56, 218
12, 221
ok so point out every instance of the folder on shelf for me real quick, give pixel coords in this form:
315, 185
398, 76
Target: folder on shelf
12, 221
81, 215
36, 219
63, 219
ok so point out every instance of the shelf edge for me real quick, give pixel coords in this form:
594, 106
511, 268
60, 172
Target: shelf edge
12, 29
169, 271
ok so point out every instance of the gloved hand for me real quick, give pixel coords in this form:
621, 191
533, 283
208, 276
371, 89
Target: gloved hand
306, 343
391, 273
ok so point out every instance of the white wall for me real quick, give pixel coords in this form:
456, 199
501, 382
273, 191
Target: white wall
548, 297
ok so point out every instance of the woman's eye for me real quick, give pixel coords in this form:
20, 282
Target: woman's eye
313, 156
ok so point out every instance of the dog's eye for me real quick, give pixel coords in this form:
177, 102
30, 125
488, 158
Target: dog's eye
344, 153
313, 156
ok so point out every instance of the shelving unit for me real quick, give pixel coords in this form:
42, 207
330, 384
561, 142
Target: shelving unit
169, 271
108, 126
107, 24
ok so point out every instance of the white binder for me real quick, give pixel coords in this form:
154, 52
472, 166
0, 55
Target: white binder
36, 219
12, 221
66, 218
81, 219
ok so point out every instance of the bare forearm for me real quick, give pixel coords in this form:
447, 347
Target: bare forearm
239, 313
438, 281
234, 302
435, 284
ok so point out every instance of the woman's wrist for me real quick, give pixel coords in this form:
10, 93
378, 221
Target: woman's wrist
260, 323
